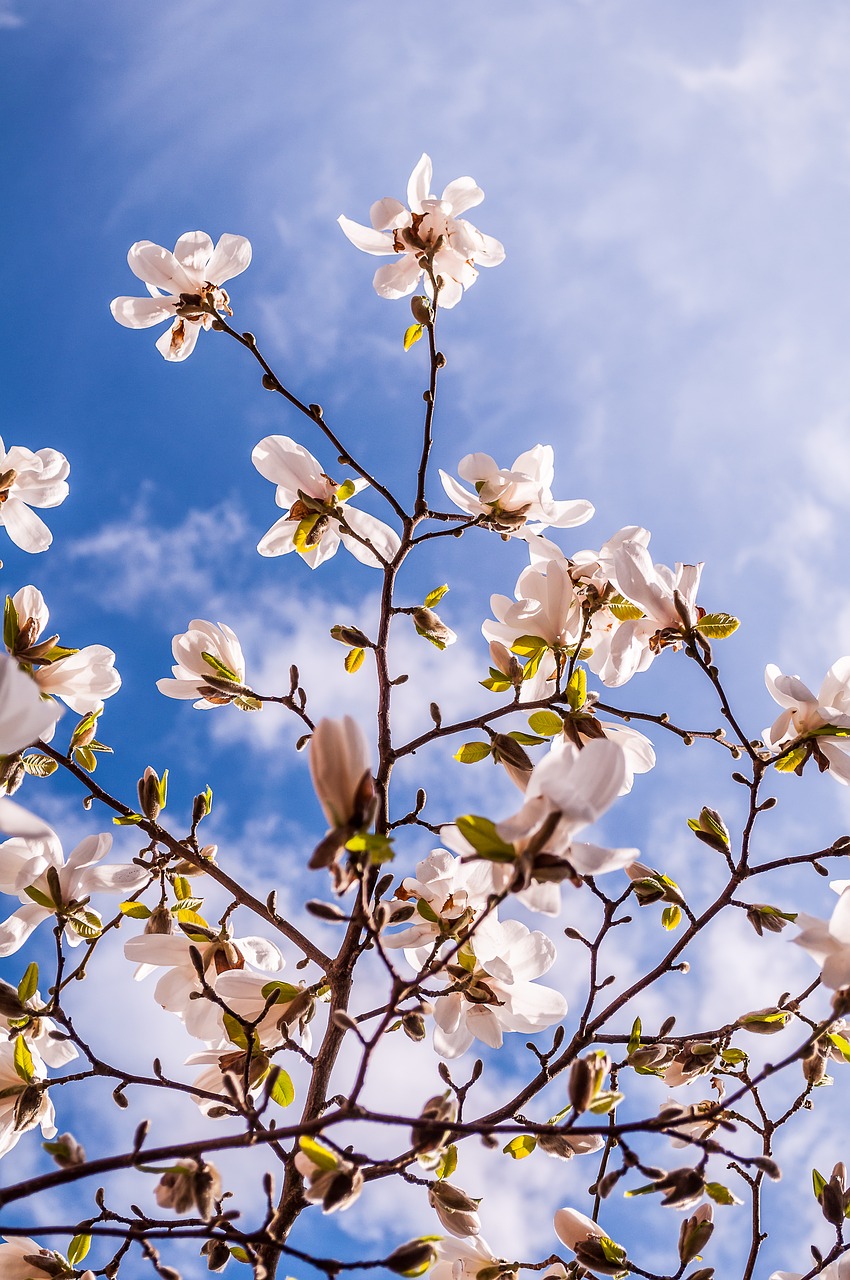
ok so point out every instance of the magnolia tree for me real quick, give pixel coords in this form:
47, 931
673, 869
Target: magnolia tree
662, 1107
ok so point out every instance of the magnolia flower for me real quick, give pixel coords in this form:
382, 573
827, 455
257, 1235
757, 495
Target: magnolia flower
465, 1259
54, 1048
447, 894
329, 1180
493, 988
188, 1187
82, 678
27, 480
247, 995
23, 1259
429, 232
546, 607
690, 1121
829, 941
457, 1211
184, 286
668, 598
518, 501
807, 719
342, 779
593, 1248
317, 518
24, 714
208, 661
23, 1103
838, 1270
32, 865
176, 988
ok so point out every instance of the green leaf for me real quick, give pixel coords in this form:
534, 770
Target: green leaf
58, 651
426, 911
29, 983
496, 682
23, 1060
346, 490
577, 689
526, 739
818, 1182
634, 1036
520, 1146
842, 1045
129, 820
185, 915
435, 596
85, 758
354, 660
792, 760
733, 1056
412, 334
78, 1248
320, 1155
717, 626
546, 723
283, 1090
671, 917
605, 1101
247, 702
135, 910
623, 609
720, 1194
430, 636
182, 888
39, 765
87, 924
235, 1030
11, 630
219, 668
472, 752
301, 537
448, 1162
283, 991
481, 833
529, 646
41, 898
237, 1252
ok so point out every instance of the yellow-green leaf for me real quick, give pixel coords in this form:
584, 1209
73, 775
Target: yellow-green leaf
320, 1155
435, 596
448, 1162
520, 1146
481, 833
717, 626
346, 490
39, 765
354, 660
546, 723
472, 752
78, 1248
671, 917
135, 910
23, 1060
283, 1090
412, 334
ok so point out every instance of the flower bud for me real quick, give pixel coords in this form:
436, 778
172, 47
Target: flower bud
66, 1151
711, 829
681, 1187
563, 1146
764, 1022
189, 1185
160, 920
152, 793
694, 1233
432, 627
217, 1254
420, 309
457, 1211
412, 1259
10, 1003
430, 1135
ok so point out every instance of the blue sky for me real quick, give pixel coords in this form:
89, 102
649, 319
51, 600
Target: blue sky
671, 185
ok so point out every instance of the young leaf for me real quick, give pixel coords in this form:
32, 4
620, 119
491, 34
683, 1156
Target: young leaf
78, 1248
135, 910
283, 1090
320, 1155
412, 334
23, 1060
354, 660
520, 1146
38, 765
546, 723
448, 1163
472, 752
717, 626
481, 833
435, 596
634, 1036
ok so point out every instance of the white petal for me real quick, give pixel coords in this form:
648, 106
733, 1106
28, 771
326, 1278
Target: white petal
419, 183
388, 214
232, 256
27, 530
193, 251
365, 238
397, 279
383, 539
156, 266
141, 313
462, 194
178, 342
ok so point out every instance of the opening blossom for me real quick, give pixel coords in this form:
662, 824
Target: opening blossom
28, 480
317, 515
23, 1259
432, 231
208, 659
517, 501
82, 678
184, 286
810, 718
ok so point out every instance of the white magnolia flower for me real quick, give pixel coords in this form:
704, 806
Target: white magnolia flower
579, 786
838, 1270
828, 942
24, 715
176, 988
82, 678
185, 286
546, 606
23, 1259
55, 1050
518, 501
206, 651
32, 865
27, 480
493, 988
807, 718
448, 894
432, 229
247, 995
23, 1105
463, 1259
317, 516
341, 771
667, 597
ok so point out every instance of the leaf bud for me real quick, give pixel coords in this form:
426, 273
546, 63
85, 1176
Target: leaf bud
217, 1254
764, 1022
160, 920
189, 1185
681, 1187
65, 1150
431, 627
420, 309
27, 1108
152, 793
711, 829
430, 1134
413, 1025
10, 1003
352, 636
